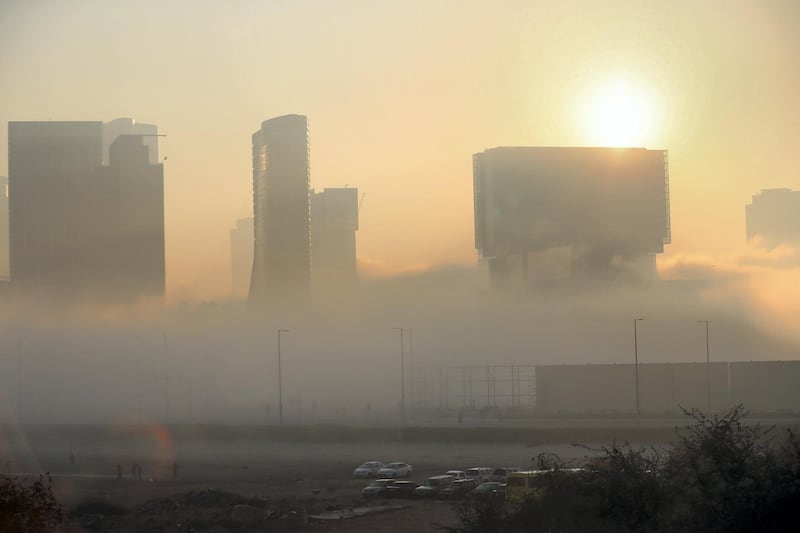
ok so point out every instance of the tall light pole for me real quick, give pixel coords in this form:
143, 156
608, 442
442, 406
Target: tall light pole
402, 373
708, 369
411, 365
280, 379
19, 378
166, 381
636, 361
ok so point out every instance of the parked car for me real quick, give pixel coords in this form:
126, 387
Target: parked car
431, 486
501, 474
376, 488
395, 470
400, 489
459, 488
490, 490
458, 474
481, 473
368, 469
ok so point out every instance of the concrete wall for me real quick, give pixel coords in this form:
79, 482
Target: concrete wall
763, 386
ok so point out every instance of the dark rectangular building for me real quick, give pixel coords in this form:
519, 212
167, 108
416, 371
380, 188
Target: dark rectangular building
49, 164
774, 217
334, 222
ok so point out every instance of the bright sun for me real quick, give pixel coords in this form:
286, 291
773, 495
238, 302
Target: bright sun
618, 113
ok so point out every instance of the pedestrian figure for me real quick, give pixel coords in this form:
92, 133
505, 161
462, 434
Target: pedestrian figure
139, 470
175, 469
119, 471
133, 469
71, 458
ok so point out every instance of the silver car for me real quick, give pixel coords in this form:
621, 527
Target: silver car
368, 469
397, 469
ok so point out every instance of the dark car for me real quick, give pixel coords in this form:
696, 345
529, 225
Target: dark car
432, 486
459, 488
490, 490
376, 488
400, 489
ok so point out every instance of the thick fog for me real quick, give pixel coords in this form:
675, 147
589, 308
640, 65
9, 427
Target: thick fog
217, 361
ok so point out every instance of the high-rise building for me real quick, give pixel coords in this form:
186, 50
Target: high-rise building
78, 228
334, 222
133, 190
281, 252
49, 164
129, 126
606, 210
774, 217
3, 228
241, 256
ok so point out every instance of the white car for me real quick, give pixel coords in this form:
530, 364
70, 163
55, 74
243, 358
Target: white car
458, 474
393, 470
368, 469
481, 473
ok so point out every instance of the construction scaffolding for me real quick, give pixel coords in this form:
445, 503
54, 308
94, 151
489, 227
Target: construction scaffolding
447, 387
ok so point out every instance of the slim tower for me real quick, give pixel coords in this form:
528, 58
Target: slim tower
281, 252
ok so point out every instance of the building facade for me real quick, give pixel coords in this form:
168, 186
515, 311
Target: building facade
281, 212
334, 222
774, 217
598, 211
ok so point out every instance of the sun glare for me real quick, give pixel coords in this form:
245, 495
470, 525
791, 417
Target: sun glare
618, 114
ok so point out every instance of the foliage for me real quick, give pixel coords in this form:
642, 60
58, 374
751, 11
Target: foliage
721, 476
29, 507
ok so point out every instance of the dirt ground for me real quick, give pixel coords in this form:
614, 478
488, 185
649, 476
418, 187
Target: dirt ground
191, 484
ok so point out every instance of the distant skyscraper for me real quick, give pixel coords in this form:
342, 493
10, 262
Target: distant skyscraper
134, 198
774, 217
48, 165
605, 209
241, 256
78, 228
334, 222
281, 253
3, 227
129, 126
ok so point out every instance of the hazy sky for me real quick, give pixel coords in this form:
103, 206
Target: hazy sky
400, 94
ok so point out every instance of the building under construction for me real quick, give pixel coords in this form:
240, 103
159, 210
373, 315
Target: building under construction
567, 212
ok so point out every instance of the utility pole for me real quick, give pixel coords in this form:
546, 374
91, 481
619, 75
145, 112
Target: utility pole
280, 378
19, 377
411, 364
402, 373
708, 369
636, 362
166, 381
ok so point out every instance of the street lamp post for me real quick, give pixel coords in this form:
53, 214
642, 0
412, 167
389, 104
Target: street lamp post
402, 373
166, 381
708, 369
280, 378
411, 365
636, 361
